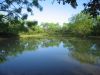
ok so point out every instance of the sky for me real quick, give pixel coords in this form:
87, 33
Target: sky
55, 13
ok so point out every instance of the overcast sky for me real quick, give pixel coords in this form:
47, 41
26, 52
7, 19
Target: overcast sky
55, 13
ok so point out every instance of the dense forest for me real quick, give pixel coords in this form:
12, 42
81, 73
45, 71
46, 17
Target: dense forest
81, 24
13, 22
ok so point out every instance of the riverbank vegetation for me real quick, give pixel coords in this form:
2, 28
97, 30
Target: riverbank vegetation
79, 25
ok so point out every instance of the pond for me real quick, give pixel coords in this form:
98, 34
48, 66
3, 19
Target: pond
49, 56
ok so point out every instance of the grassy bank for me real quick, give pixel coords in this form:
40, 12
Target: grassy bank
35, 35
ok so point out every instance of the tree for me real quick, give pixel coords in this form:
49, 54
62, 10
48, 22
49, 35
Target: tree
14, 7
93, 7
81, 24
51, 28
65, 28
4, 25
31, 23
96, 27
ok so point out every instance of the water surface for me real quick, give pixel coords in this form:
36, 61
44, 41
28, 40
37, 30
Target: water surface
49, 56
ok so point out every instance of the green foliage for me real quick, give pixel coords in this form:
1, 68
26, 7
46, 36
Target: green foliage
81, 24
92, 7
13, 8
11, 26
96, 27
65, 29
31, 23
3, 24
51, 28
39, 29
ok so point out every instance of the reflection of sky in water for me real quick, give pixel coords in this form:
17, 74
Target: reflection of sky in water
93, 47
49, 57
26, 45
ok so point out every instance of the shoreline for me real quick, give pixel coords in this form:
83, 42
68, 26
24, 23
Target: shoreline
43, 35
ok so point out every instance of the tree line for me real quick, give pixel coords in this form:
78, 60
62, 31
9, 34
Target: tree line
13, 21
81, 24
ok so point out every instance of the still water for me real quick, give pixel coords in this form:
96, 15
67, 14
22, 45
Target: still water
49, 56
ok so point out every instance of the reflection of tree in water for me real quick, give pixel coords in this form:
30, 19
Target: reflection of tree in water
51, 43
83, 50
86, 51
9, 47
12, 47
2, 56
